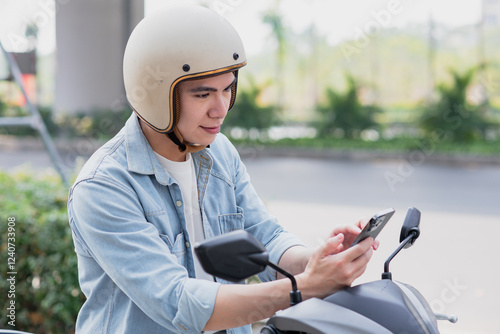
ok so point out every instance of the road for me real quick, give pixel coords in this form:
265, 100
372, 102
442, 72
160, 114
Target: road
455, 263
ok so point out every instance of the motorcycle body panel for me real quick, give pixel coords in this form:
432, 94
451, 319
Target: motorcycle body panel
317, 316
381, 307
396, 306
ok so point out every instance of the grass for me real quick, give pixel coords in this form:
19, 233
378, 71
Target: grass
386, 145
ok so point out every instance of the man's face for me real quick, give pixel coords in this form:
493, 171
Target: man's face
204, 104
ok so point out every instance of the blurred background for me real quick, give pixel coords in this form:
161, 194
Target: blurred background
344, 109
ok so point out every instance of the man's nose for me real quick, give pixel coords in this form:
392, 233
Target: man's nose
219, 106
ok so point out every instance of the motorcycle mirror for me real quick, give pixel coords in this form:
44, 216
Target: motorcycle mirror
233, 256
410, 226
409, 233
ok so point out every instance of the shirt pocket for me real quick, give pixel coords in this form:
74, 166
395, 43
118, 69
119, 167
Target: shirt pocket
232, 221
177, 248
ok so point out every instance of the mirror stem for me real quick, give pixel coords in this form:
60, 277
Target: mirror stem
387, 274
295, 295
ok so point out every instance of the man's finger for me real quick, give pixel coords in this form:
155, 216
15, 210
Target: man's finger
332, 244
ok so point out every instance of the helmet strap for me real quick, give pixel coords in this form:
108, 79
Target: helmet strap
184, 147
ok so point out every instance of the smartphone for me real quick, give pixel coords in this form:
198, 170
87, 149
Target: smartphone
375, 225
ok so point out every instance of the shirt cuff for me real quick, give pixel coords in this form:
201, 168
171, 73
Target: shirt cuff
196, 305
276, 249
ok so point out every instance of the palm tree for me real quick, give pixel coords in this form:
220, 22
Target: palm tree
344, 112
451, 117
274, 19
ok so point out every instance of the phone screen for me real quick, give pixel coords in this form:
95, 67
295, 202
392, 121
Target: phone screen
374, 226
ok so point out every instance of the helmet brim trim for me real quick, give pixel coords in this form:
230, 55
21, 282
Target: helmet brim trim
174, 113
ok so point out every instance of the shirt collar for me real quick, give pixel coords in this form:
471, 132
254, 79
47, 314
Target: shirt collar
140, 156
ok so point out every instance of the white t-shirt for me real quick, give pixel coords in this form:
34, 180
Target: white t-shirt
184, 173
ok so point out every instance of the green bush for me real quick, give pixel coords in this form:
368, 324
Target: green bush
452, 118
248, 113
47, 294
99, 124
23, 130
344, 112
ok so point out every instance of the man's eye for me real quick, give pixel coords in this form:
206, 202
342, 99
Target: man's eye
202, 95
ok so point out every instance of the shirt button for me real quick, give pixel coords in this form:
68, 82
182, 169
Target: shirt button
187, 244
178, 203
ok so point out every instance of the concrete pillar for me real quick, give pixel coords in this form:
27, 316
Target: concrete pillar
91, 36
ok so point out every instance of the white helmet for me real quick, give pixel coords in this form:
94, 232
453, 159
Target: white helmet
176, 43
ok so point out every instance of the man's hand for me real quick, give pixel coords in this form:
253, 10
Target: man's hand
350, 232
319, 273
330, 270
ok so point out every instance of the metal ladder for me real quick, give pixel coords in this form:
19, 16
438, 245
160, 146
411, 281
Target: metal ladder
34, 121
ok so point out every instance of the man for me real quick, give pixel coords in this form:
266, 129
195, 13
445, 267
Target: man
169, 180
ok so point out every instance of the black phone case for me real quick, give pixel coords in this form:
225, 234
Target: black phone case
374, 226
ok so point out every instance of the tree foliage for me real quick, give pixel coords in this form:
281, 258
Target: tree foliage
279, 31
451, 117
344, 112
248, 113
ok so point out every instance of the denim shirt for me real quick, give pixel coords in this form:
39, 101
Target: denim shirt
134, 260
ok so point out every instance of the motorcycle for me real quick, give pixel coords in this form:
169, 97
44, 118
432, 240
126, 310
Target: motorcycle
379, 307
